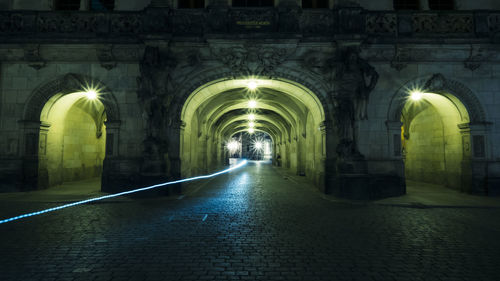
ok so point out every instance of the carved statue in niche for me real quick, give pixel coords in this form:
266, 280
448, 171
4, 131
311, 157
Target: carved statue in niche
155, 89
354, 80
155, 93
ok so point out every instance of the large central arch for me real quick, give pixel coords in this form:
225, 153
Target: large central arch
289, 112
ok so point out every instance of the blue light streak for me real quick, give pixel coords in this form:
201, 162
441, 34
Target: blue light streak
241, 164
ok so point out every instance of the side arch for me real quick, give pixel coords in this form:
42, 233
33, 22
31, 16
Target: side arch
33, 131
67, 84
438, 84
473, 130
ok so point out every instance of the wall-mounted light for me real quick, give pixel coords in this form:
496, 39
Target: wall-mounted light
416, 95
251, 124
251, 130
251, 117
252, 85
252, 103
91, 94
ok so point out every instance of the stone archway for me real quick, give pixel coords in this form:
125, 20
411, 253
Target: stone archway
34, 131
472, 127
226, 118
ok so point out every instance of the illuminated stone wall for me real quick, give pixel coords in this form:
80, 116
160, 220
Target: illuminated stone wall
83, 152
425, 149
181, 145
434, 149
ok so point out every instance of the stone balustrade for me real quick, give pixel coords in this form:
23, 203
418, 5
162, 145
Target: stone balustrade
21, 26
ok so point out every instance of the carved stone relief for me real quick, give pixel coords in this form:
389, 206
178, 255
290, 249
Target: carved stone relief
11, 22
401, 58
382, 23
106, 57
354, 80
443, 23
72, 23
33, 57
253, 59
476, 56
312, 22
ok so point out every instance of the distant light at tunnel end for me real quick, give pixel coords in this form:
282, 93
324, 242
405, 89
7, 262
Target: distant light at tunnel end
252, 104
259, 145
233, 146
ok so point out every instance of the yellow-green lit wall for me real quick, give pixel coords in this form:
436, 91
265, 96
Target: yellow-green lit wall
72, 151
434, 148
83, 152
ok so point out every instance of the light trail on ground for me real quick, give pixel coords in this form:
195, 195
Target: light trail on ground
241, 164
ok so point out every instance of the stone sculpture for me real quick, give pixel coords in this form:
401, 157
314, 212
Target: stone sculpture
353, 81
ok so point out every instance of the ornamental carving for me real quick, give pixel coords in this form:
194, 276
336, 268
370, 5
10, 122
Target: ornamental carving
250, 20
494, 27
155, 89
106, 57
476, 56
33, 57
401, 58
354, 81
443, 23
11, 22
494, 23
381, 23
253, 59
126, 23
157, 20
320, 63
317, 22
67, 23
185, 23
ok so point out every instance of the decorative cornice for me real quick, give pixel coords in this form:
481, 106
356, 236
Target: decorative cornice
161, 21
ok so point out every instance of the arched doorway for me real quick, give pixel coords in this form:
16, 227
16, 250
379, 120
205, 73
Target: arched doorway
438, 130
436, 140
70, 129
72, 139
288, 112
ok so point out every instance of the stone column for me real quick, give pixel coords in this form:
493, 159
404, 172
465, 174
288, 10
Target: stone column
466, 172
395, 146
43, 172
484, 180
29, 143
321, 171
117, 173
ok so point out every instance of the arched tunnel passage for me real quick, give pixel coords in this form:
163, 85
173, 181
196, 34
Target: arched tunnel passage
284, 113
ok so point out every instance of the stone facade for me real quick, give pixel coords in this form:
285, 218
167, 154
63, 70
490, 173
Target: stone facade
359, 66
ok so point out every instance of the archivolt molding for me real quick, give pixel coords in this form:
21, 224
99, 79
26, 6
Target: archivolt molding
215, 75
438, 84
68, 84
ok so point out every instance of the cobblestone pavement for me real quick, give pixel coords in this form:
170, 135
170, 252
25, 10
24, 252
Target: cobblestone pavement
252, 224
